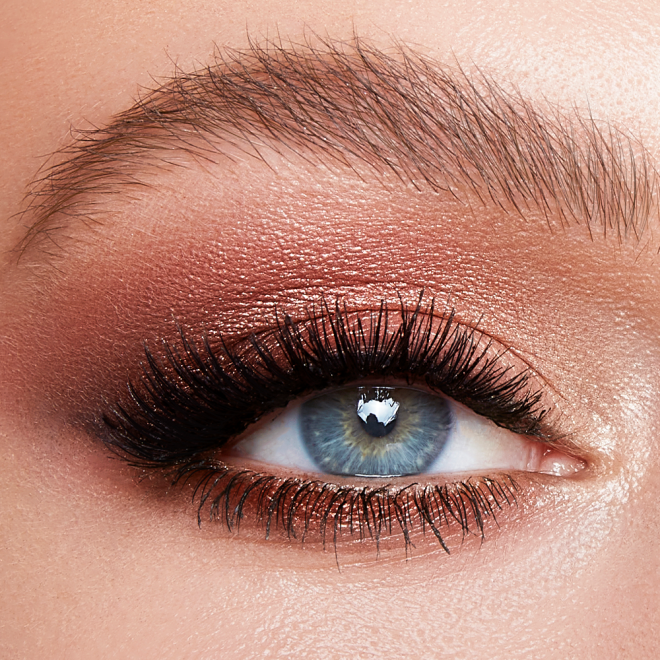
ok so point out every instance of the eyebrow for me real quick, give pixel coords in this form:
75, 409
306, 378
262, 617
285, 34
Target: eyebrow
350, 104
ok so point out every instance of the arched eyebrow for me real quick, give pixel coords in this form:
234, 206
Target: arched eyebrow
353, 105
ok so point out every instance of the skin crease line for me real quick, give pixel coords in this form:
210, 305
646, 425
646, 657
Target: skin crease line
172, 173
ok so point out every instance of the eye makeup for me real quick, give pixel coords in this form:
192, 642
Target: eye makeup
197, 395
317, 512
196, 398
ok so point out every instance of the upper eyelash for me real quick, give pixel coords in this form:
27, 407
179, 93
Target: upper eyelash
193, 401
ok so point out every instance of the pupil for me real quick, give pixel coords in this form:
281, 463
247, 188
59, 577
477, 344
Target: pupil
373, 426
377, 412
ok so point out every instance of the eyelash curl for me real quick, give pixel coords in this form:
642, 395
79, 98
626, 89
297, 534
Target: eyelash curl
197, 397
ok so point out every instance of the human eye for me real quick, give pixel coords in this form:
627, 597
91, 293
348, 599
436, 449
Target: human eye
365, 425
391, 431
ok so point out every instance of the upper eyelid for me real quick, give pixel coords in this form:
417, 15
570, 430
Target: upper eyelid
355, 105
191, 400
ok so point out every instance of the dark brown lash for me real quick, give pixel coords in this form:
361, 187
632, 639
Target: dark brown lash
312, 510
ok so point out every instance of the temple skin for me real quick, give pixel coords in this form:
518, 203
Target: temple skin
98, 563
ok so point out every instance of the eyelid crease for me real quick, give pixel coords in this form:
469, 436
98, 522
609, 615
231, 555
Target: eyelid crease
344, 104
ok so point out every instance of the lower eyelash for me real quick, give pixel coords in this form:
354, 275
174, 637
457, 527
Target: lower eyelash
309, 510
192, 401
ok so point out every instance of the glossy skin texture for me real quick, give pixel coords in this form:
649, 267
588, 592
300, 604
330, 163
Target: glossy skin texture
95, 564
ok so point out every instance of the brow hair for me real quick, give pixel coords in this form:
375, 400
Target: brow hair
351, 104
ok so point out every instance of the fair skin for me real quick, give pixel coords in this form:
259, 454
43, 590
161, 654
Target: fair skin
97, 563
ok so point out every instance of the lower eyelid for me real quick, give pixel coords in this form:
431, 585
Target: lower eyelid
399, 514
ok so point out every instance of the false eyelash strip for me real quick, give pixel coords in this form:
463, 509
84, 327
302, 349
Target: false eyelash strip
196, 397
311, 510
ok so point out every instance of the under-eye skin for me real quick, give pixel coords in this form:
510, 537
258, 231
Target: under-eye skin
395, 383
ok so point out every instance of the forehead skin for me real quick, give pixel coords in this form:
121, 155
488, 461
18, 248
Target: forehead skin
84, 572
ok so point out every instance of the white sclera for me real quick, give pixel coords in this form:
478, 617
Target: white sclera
475, 444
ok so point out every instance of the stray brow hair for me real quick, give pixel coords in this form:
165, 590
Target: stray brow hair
351, 104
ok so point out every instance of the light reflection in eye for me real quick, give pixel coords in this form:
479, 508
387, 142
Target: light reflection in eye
393, 431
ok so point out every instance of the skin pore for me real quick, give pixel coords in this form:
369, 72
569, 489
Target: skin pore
95, 562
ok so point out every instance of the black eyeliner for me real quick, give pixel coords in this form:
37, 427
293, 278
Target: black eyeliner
196, 397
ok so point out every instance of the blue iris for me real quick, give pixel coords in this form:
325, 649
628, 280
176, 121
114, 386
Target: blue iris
375, 431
